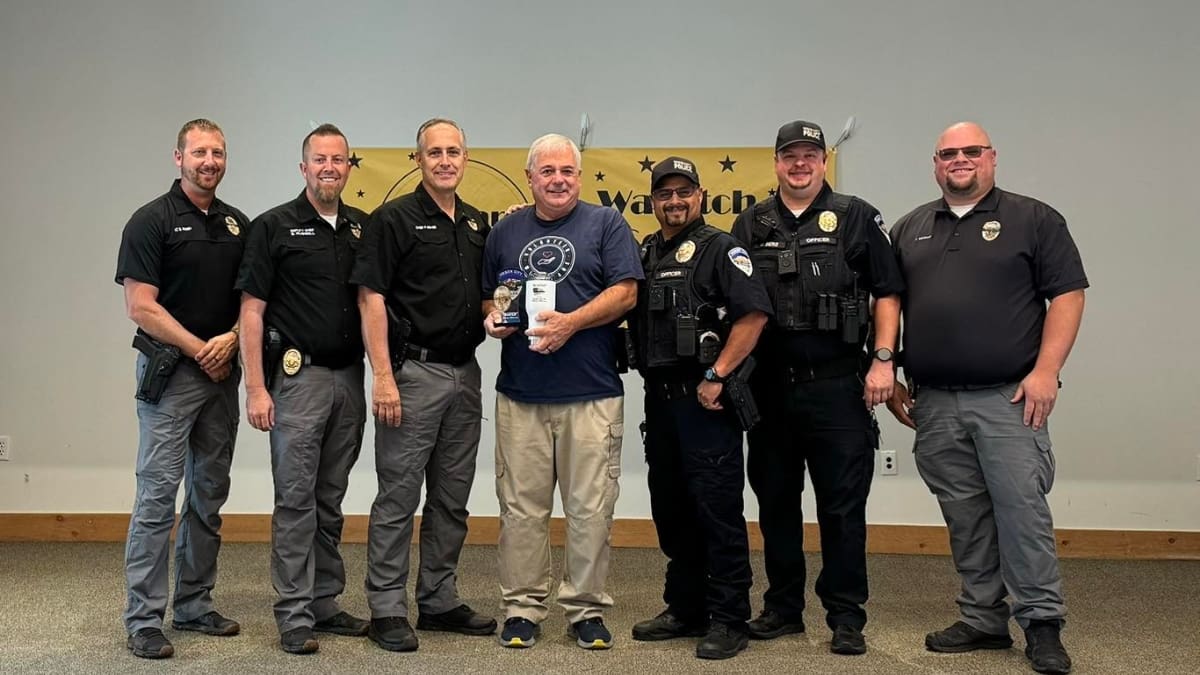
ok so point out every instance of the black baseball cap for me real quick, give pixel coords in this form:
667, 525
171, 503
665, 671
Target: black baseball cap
799, 132
674, 166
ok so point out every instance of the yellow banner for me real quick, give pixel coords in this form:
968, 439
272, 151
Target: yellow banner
734, 179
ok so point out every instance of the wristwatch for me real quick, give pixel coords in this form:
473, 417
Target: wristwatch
883, 354
711, 375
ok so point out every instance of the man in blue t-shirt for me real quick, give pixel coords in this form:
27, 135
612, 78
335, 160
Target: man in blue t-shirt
559, 400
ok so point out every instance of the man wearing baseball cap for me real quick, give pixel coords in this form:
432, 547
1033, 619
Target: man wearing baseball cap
821, 255
700, 310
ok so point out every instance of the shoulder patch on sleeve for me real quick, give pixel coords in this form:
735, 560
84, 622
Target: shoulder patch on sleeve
882, 227
741, 260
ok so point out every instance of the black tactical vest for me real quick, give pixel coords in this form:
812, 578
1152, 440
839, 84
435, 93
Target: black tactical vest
810, 285
677, 326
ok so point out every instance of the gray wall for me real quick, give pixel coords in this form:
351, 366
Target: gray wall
1092, 109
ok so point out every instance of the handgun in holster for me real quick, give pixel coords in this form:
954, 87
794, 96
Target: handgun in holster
161, 360
737, 389
272, 353
399, 331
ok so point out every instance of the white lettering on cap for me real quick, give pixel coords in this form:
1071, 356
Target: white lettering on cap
682, 166
811, 133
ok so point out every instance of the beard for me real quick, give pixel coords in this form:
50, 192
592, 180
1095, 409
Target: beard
966, 188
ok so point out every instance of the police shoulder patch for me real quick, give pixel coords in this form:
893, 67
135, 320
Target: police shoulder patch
741, 260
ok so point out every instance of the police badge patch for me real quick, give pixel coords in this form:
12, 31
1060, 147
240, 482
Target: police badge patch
685, 251
828, 221
741, 260
991, 230
356, 230
472, 224
232, 226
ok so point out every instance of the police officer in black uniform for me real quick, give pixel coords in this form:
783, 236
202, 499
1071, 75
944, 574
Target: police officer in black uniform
821, 256
298, 300
699, 313
421, 266
178, 260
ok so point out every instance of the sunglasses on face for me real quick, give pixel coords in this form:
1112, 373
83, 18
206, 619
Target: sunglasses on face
970, 152
665, 193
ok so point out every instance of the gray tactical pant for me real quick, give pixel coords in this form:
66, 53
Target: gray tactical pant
991, 474
187, 436
319, 417
435, 444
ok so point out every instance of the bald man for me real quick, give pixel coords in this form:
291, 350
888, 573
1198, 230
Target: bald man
994, 298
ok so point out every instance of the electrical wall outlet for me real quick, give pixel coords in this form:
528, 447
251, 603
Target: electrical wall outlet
5, 448
887, 463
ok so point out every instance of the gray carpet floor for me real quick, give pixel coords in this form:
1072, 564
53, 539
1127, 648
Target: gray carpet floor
60, 611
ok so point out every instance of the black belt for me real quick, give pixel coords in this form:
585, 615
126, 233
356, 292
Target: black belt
424, 355
332, 362
670, 391
821, 371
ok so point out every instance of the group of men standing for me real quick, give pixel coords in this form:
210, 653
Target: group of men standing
788, 327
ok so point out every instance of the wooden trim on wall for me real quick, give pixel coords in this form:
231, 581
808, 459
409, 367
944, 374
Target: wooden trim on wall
629, 532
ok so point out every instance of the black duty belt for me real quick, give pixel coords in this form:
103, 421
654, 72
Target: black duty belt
820, 371
670, 391
417, 353
330, 361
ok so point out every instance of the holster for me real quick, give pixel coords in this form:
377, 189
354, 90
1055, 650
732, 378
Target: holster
272, 353
161, 360
399, 331
740, 398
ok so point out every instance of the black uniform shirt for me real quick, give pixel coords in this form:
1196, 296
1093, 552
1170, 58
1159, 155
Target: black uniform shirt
722, 277
977, 287
868, 253
192, 259
301, 266
428, 269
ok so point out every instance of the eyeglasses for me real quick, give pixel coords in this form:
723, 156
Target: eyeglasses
970, 152
665, 193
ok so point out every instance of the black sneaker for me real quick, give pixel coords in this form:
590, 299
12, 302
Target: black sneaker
209, 624
150, 643
1044, 647
342, 623
591, 633
771, 624
461, 619
299, 641
961, 637
519, 632
393, 633
847, 640
666, 626
722, 642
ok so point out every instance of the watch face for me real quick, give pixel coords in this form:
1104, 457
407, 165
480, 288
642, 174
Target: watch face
883, 354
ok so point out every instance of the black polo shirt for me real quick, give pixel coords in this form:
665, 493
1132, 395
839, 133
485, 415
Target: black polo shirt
977, 287
192, 258
428, 269
719, 278
300, 265
868, 254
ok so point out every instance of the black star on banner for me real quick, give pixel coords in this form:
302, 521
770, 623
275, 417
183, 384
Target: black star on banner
355, 159
599, 176
361, 194
647, 164
412, 155
771, 192
727, 164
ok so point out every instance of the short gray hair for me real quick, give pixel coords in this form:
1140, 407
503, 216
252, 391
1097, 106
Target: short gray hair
552, 142
434, 122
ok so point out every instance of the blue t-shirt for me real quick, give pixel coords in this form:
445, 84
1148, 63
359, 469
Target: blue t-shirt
589, 250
